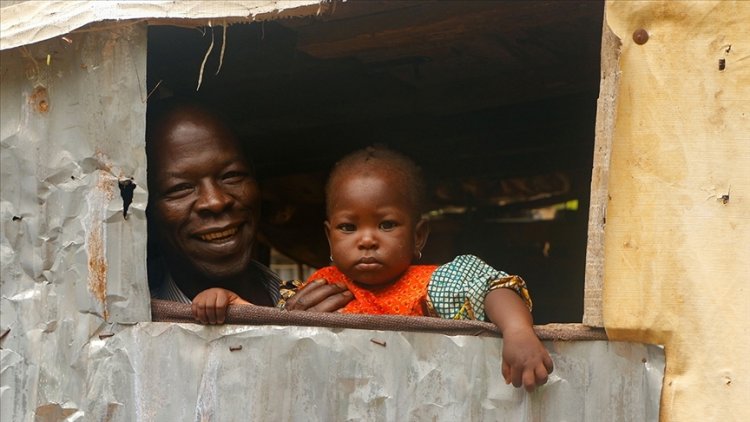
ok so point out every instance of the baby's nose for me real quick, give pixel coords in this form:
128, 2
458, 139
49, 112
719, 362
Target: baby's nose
368, 240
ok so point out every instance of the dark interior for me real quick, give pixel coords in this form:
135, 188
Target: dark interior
496, 101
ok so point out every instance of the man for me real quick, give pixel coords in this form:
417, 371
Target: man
204, 207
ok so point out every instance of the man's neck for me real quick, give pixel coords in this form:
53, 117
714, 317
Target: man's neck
192, 281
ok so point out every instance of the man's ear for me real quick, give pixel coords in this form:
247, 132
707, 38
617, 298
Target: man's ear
421, 232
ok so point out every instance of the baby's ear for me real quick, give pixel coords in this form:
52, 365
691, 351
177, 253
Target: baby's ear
421, 232
327, 229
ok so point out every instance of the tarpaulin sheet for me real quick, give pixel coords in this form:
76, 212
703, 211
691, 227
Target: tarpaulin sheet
678, 214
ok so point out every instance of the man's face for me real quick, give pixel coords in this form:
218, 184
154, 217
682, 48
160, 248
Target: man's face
207, 200
371, 228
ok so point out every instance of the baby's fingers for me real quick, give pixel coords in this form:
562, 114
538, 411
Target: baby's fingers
222, 301
199, 311
506, 372
541, 375
548, 364
529, 379
211, 309
516, 376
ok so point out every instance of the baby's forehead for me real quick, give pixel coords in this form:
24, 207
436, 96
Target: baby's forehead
390, 174
377, 186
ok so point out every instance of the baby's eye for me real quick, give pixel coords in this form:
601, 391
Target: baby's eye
388, 225
347, 227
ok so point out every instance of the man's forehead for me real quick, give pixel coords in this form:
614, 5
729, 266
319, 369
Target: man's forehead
190, 117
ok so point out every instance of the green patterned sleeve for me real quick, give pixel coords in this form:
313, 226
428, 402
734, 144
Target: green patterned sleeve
457, 289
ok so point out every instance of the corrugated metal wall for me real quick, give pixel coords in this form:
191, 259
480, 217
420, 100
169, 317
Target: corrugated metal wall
72, 115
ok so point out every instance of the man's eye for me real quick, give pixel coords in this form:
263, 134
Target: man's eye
347, 227
233, 176
178, 190
388, 225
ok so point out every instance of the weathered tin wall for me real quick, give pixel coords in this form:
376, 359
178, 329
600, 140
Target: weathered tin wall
306, 373
678, 226
72, 128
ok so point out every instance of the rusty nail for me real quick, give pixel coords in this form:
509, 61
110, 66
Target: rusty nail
722, 64
378, 342
640, 36
102, 336
235, 348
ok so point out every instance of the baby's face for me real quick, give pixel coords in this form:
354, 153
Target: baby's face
371, 229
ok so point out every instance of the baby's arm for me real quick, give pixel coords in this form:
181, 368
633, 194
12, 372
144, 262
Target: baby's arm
525, 360
210, 305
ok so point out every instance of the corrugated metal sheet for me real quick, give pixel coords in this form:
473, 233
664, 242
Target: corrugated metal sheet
72, 128
167, 372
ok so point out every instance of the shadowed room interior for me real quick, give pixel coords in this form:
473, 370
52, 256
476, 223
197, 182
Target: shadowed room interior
496, 101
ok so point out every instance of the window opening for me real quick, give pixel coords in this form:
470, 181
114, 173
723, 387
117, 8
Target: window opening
495, 100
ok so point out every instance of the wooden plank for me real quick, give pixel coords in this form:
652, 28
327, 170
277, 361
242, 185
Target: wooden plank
605, 123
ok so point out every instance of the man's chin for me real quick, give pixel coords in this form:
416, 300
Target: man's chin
214, 271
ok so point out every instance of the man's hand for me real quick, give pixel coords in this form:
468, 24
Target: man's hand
320, 296
525, 360
210, 305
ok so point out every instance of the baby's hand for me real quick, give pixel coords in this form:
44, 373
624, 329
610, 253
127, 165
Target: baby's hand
525, 360
210, 305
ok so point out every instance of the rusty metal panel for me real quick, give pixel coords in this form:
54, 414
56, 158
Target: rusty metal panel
72, 116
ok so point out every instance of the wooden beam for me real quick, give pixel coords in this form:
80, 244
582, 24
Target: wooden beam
605, 124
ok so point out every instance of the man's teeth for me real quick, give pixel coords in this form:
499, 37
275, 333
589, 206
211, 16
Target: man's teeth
219, 235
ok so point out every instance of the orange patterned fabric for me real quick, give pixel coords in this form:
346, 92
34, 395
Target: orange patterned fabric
406, 296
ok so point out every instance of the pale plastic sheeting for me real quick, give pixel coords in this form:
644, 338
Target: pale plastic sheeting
186, 372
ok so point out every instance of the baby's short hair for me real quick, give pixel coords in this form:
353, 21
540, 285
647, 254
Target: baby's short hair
379, 157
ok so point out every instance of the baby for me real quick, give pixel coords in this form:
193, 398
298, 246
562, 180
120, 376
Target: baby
374, 200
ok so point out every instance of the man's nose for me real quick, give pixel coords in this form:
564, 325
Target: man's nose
212, 198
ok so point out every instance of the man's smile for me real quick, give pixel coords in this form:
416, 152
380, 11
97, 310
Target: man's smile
219, 235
